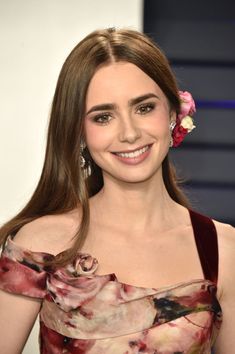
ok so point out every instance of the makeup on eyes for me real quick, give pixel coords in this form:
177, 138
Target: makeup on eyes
148, 107
104, 117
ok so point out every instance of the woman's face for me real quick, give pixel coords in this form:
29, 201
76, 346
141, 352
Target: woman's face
126, 123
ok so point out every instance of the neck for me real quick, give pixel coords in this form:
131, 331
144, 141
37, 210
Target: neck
134, 206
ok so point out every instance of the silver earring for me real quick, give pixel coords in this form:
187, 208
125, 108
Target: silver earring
172, 126
82, 158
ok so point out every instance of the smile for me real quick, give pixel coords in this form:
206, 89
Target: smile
133, 154
134, 157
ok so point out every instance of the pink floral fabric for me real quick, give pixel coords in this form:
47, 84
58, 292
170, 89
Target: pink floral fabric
85, 313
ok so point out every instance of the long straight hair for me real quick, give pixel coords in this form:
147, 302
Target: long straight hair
63, 185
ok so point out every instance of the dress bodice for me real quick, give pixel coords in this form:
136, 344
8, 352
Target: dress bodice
83, 312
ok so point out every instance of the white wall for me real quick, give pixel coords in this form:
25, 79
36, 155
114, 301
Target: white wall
35, 38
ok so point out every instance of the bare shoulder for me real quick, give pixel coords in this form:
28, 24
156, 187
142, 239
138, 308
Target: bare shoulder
50, 233
226, 236
225, 342
226, 242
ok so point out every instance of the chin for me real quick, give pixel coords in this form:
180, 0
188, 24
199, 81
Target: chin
134, 176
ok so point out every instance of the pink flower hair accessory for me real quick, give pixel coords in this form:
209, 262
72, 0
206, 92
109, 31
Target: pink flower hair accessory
184, 122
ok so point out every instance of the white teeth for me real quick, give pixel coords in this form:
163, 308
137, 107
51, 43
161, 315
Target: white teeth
134, 153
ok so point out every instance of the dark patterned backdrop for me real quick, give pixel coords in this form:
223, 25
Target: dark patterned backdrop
198, 37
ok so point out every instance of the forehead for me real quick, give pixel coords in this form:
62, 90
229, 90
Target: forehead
121, 80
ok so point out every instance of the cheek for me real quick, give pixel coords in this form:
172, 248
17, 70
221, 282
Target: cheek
159, 126
97, 137
90, 133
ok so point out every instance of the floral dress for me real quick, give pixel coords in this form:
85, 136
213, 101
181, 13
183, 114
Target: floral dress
86, 313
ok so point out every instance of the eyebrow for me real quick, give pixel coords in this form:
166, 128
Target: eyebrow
111, 106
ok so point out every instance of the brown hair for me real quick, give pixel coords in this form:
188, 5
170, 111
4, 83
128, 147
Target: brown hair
62, 185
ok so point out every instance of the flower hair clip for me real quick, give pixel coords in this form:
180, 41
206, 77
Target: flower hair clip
184, 121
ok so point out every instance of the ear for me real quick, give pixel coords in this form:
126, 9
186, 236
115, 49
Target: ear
83, 144
172, 116
83, 139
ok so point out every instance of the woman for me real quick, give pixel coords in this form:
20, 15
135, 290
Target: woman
107, 249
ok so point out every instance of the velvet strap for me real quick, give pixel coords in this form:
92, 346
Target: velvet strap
207, 244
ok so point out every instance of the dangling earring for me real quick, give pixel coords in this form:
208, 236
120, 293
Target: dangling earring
172, 126
82, 158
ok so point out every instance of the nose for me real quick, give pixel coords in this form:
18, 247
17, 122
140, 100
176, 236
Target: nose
129, 131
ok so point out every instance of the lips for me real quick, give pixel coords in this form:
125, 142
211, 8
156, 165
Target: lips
133, 154
133, 157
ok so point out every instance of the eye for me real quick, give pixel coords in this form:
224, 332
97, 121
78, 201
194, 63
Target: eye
102, 118
145, 108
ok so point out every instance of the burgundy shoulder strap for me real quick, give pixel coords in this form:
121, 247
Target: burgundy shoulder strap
207, 244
